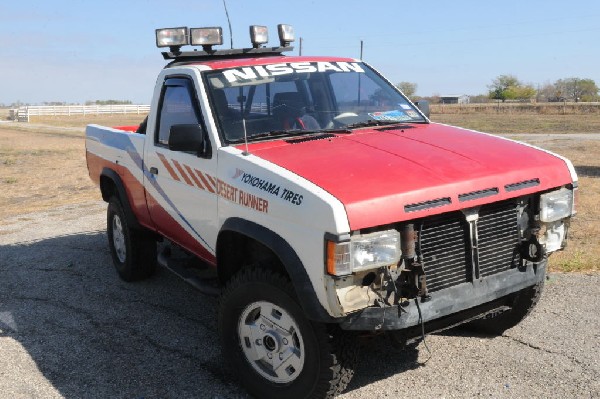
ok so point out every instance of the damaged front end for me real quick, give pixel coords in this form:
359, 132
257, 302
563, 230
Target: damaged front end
448, 268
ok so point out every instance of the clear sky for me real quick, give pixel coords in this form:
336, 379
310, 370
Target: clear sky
73, 51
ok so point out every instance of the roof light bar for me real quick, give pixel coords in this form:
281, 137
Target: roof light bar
172, 37
258, 35
286, 34
206, 37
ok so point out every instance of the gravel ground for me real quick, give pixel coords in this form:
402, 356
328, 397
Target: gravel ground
70, 328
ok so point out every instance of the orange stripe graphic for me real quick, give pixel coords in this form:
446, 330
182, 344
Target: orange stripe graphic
194, 178
183, 174
208, 186
168, 166
212, 180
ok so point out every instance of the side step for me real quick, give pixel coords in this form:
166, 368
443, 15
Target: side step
199, 275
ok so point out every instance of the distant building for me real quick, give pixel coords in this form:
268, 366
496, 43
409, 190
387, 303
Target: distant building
455, 99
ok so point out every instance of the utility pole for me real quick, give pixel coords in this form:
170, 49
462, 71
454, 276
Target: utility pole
300, 52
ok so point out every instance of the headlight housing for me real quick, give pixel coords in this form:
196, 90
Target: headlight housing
363, 252
556, 205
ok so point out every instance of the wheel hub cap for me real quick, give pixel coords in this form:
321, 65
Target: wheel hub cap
271, 342
119, 238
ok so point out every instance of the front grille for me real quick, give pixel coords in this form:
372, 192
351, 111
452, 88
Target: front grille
445, 252
498, 238
446, 247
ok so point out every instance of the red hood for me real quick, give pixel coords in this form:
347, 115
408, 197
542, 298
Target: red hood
384, 176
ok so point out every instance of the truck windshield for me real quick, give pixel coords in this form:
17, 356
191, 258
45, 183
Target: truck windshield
302, 97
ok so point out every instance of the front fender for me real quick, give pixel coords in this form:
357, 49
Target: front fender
293, 265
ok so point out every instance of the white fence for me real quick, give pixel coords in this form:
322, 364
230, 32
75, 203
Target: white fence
23, 113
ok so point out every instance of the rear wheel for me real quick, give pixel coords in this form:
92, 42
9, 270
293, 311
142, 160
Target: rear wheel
133, 252
275, 350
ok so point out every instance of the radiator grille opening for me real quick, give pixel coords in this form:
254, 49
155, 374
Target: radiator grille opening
498, 238
445, 252
446, 248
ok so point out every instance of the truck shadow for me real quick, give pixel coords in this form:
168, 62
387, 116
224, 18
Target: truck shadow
381, 357
84, 333
91, 335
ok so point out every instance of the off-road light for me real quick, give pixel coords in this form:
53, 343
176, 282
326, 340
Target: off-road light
286, 34
258, 35
206, 37
172, 37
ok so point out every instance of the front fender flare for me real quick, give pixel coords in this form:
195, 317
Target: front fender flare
305, 292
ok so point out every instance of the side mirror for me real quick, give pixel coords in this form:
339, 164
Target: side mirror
423, 105
188, 138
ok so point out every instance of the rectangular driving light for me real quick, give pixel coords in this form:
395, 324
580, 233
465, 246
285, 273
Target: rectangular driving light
258, 35
556, 205
363, 252
286, 34
206, 36
172, 37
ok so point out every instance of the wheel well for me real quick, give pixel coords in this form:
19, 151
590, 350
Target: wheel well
236, 251
108, 187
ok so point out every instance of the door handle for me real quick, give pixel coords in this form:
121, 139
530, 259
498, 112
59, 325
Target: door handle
154, 170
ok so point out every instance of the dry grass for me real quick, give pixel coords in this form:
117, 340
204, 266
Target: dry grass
42, 165
40, 171
583, 251
82, 121
518, 108
523, 123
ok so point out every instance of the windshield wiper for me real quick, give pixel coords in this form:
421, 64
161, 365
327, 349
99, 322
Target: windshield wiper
291, 133
373, 122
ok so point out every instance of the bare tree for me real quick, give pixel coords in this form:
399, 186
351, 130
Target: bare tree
408, 88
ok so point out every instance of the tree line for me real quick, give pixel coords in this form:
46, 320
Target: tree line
510, 88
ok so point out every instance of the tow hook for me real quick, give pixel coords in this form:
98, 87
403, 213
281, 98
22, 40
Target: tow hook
532, 250
421, 282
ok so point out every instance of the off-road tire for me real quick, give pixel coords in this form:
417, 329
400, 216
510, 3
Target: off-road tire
330, 354
521, 302
133, 251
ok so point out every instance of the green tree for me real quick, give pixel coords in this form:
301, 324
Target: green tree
408, 88
577, 89
520, 92
502, 87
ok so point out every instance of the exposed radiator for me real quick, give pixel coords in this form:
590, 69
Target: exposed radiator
446, 251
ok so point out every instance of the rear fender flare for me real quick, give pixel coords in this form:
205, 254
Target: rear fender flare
121, 193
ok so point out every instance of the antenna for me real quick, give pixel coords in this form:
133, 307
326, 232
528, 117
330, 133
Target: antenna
229, 23
245, 153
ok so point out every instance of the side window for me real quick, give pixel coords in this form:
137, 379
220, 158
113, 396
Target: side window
178, 107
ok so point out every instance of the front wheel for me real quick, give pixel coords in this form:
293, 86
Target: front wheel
275, 350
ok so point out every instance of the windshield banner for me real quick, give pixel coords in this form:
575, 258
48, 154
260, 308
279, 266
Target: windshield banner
285, 68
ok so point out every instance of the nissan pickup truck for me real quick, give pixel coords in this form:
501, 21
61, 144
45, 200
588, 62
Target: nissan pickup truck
318, 201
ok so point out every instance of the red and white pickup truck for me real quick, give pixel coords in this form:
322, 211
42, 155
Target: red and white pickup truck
323, 202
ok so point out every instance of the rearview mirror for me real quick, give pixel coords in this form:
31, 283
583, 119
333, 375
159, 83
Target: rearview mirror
423, 105
188, 138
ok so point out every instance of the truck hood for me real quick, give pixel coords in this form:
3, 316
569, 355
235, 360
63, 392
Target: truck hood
391, 174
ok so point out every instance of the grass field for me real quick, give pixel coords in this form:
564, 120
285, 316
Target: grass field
523, 123
42, 165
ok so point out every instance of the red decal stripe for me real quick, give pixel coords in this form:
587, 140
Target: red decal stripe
183, 174
212, 180
194, 178
168, 167
208, 186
